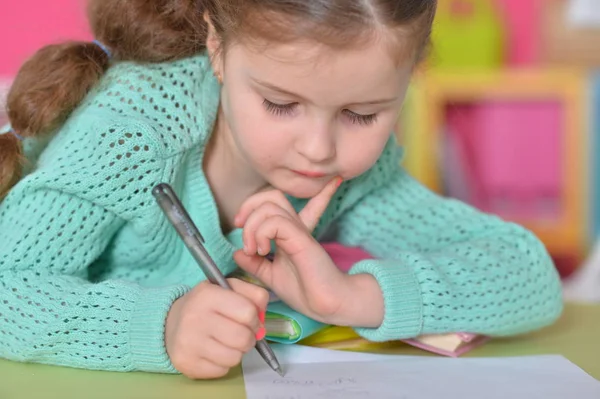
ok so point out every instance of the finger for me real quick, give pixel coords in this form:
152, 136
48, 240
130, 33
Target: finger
258, 266
239, 309
232, 335
290, 237
258, 295
205, 369
221, 354
314, 209
265, 210
274, 196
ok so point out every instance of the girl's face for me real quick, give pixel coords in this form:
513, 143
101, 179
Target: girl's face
301, 114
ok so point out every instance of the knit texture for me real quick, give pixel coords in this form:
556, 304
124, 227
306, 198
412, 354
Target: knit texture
89, 265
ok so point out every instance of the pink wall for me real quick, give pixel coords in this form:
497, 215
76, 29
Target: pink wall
28, 25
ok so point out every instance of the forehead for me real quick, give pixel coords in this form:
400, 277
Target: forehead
321, 72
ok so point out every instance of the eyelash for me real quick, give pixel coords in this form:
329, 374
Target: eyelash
358, 119
288, 109
279, 109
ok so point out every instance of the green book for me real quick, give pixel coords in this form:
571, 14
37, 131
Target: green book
287, 326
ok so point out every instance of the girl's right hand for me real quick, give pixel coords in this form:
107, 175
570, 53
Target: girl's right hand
209, 329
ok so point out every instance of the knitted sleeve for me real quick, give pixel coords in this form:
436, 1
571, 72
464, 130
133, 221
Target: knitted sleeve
54, 226
445, 267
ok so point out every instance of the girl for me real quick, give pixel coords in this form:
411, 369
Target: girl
255, 112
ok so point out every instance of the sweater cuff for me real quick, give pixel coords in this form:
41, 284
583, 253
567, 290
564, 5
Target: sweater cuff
403, 316
147, 329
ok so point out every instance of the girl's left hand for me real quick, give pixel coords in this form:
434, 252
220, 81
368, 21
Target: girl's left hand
302, 274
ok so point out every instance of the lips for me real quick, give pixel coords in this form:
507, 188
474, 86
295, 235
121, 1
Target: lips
311, 174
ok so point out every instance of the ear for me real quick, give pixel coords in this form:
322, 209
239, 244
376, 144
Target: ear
213, 46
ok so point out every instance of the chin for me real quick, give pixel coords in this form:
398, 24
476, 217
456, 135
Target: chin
302, 190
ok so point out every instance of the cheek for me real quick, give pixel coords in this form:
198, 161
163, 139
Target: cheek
244, 117
251, 127
359, 154
362, 149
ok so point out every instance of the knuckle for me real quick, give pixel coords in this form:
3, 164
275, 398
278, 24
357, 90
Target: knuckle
233, 358
265, 210
248, 314
279, 219
261, 297
182, 362
247, 341
272, 207
208, 370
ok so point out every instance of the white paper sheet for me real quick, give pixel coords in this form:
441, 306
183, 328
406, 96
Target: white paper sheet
322, 374
288, 354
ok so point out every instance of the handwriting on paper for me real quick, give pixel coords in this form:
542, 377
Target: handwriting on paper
550, 377
341, 387
301, 382
337, 382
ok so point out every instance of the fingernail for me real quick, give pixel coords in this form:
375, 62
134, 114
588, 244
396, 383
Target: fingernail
260, 251
262, 332
261, 316
246, 249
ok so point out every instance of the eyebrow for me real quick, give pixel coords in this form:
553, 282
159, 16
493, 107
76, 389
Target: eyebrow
289, 93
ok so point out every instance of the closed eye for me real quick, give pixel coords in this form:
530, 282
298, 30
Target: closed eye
360, 119
280, 109
288, 110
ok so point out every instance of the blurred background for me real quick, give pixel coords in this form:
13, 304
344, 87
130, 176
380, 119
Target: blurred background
504, 114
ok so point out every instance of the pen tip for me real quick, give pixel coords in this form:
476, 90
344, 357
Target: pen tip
280, 372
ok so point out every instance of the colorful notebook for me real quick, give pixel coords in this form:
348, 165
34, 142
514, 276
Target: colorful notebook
287, 326
345, 338
452, 345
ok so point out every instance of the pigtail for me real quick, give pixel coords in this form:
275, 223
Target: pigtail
11, 162
48, 87
52, 83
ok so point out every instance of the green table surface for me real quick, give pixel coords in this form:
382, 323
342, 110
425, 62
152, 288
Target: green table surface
575, 335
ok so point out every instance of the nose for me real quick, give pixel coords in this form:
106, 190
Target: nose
317, 145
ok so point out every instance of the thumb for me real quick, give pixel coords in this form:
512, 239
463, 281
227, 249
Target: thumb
256, 265
317, 205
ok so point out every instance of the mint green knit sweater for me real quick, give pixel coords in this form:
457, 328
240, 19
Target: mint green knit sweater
89, 266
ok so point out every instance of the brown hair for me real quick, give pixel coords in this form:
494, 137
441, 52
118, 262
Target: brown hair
51, 84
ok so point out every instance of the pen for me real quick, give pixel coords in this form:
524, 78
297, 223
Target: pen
193, 240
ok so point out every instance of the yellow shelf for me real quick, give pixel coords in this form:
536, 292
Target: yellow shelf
424, 116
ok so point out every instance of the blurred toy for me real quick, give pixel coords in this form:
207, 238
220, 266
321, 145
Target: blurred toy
468, 34
522, 26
